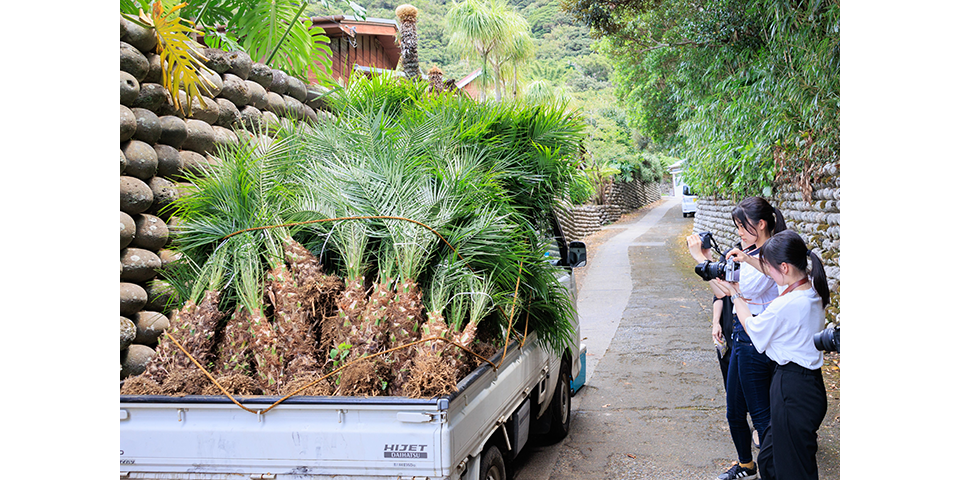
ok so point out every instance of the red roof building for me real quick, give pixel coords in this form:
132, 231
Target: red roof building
370, 45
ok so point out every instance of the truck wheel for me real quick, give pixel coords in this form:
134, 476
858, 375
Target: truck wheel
491, 465
560, 406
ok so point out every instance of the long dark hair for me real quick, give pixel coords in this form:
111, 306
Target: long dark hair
787, 246
751, 210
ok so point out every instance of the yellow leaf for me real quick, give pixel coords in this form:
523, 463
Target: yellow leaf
180, 58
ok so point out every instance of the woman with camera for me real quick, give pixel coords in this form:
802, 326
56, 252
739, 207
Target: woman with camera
750, 372
784, 332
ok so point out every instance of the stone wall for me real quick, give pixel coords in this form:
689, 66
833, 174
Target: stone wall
580, 221
159, 145
817, 221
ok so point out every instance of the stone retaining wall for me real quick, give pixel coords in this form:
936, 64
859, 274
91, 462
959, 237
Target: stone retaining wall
817, 221
577, 222
158, 145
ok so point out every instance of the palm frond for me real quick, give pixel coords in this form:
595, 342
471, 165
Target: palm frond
180, 58
222, 220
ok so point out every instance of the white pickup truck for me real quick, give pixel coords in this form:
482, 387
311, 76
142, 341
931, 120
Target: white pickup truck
471, 434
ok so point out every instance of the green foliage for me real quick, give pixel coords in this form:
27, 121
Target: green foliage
645, 167
340, 353
247, 191
273, 31
487, 176
746, 90
484, 176
582, 190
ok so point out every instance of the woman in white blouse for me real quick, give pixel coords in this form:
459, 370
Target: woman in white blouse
784, 331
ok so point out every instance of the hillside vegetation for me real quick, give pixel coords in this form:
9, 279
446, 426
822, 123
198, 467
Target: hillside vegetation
566, 61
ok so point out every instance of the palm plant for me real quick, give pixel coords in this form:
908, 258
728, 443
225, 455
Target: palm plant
511, 53
246, 191
409, 41
370, 195
478, 27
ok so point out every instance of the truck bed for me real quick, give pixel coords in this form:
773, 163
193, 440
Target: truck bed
209, 437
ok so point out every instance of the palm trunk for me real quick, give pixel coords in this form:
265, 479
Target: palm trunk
409, 41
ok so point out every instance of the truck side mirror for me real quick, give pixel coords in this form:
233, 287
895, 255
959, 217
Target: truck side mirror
577, 254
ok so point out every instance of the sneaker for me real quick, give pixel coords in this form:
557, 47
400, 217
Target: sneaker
737, 472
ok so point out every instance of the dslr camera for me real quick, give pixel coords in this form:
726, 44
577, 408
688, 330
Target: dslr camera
728, 270
828, 339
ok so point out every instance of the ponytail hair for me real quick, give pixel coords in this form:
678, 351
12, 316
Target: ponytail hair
751, 210
787, 246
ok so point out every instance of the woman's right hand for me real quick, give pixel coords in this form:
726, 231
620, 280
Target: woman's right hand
737, 255
728, 288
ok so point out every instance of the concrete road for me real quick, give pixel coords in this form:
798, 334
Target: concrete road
654, 405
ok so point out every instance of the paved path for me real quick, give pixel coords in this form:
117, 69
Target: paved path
653, 406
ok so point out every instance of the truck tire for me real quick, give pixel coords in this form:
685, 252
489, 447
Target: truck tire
560, 407
492, 466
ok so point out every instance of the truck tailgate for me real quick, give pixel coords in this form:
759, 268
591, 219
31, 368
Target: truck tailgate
360, 438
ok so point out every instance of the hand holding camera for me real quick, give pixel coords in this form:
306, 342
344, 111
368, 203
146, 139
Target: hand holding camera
699, 250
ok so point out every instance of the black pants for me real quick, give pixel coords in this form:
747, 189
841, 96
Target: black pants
798, 403
724, 363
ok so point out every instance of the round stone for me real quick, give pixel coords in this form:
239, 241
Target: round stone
141, 159
168, 161
261, 74
128, 229
134, 360
199, 136
148, 125
132, 298
135, 195
139, 265
129, 89
240, 63
128, 331
173, 131
229, 113
152, 233
150, 325
133, 62
128, 124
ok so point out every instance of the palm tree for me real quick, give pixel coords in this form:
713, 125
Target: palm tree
516, 49
479, 27
409, 41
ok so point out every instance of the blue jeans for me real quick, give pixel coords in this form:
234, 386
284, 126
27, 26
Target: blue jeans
748, 390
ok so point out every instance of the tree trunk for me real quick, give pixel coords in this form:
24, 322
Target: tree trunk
409, 41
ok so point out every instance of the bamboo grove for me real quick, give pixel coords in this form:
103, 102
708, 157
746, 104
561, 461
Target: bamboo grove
410, 216
747, 91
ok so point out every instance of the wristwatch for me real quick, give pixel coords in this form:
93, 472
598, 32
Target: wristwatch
736, 296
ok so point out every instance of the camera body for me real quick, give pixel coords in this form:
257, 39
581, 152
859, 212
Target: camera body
728, 270
828, 339
706, 240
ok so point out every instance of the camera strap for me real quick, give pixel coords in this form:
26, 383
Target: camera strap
787, 290
793, 286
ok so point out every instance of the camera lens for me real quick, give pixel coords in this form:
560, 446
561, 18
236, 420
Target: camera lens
828, 340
